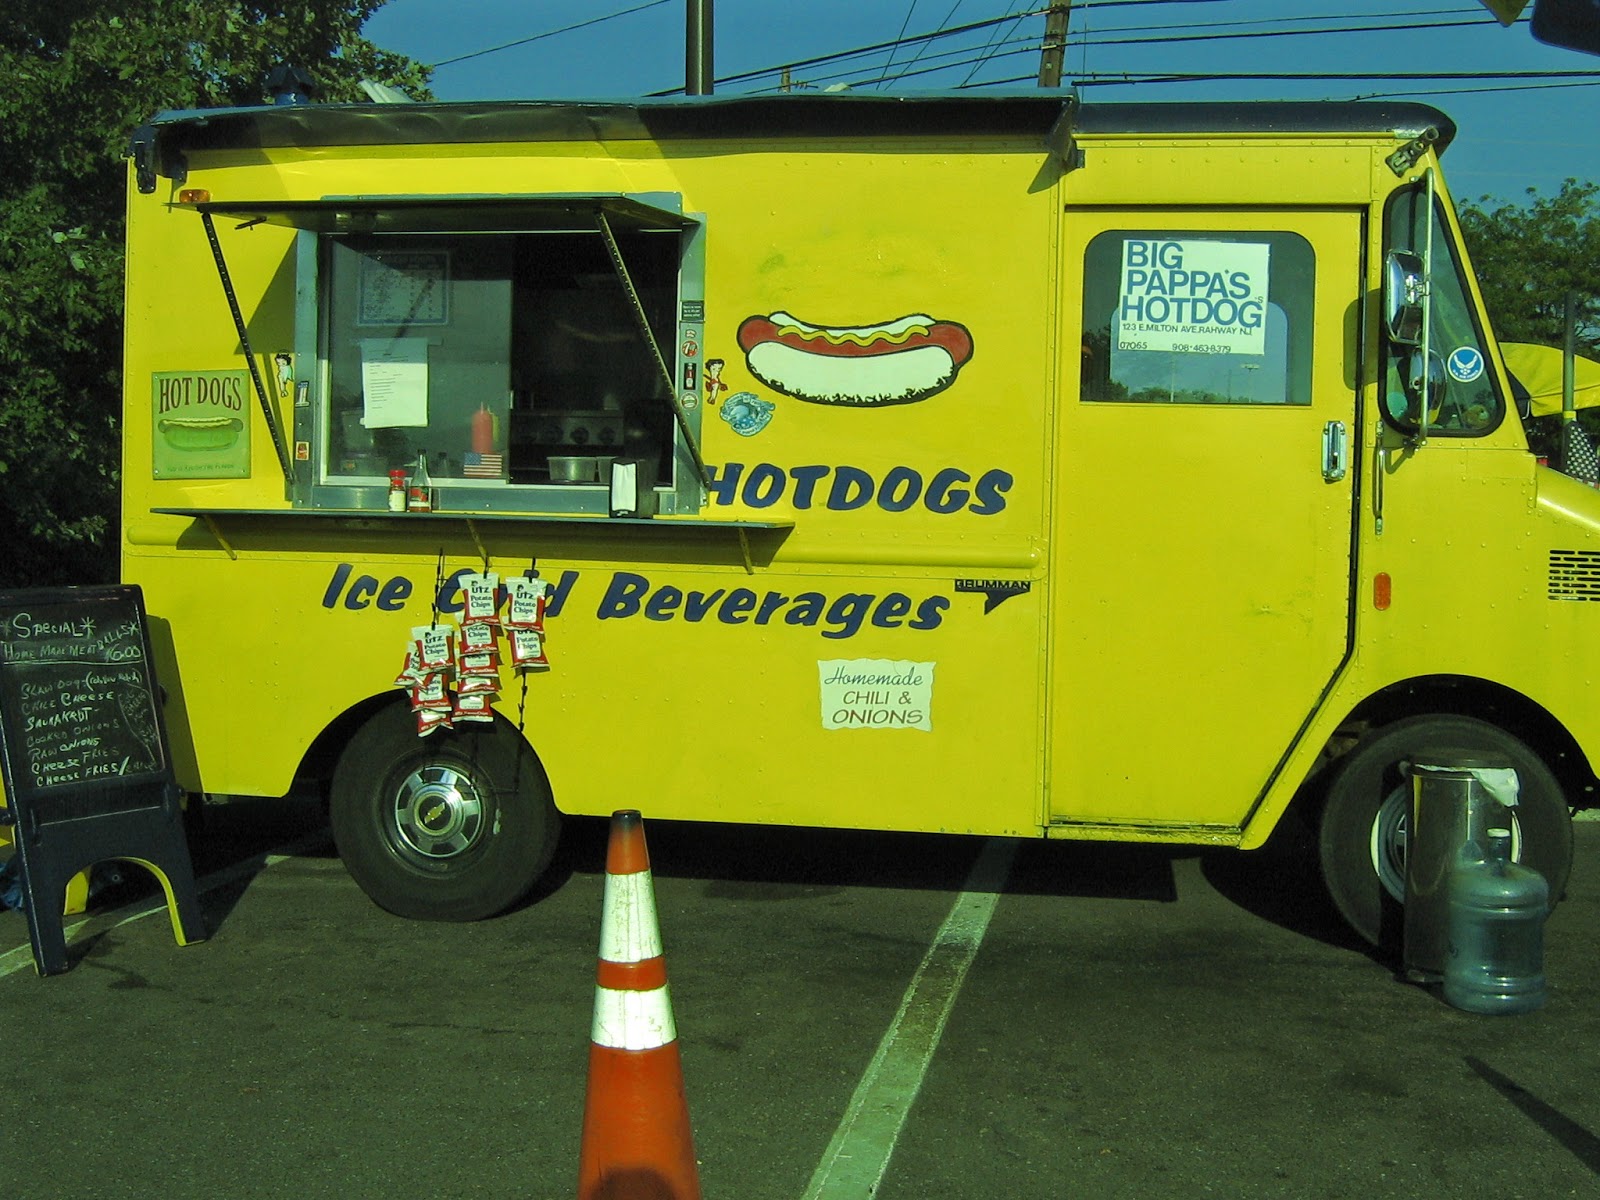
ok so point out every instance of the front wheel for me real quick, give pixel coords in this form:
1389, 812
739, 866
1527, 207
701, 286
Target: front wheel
1364, 820
455, 826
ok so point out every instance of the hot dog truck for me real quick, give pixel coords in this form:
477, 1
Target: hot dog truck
987, 463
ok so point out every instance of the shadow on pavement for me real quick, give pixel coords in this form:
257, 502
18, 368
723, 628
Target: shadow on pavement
1580, 1142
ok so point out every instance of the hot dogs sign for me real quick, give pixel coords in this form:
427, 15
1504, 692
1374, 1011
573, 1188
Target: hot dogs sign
900, 361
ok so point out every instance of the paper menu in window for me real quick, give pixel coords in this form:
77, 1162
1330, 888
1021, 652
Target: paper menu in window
394, 382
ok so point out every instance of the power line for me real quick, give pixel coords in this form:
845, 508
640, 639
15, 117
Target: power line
1141, 78
447, 62
1168, 39
992, 45
924, 46
924, 39
874, 48
904, 25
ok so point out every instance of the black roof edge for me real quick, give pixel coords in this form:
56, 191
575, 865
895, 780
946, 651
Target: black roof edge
171, 134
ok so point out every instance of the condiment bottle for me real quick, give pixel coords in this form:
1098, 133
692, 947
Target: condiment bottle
397, 490
420, 498
483, 430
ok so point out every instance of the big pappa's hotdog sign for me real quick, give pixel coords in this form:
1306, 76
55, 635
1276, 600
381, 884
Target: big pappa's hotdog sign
862, 366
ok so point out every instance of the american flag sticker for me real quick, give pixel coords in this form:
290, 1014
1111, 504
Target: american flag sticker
484, 466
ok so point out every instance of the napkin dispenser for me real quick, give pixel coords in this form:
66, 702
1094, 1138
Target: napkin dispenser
633, 490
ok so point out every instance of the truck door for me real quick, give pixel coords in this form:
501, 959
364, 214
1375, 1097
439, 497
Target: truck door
1203, 506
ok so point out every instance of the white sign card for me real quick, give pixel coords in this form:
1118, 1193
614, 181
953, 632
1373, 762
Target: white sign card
876, 693
1193, 297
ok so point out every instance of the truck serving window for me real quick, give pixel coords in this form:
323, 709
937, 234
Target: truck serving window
519, 344
1471, 406
1197, 317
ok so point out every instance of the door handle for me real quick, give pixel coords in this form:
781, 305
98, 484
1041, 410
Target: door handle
1335, 451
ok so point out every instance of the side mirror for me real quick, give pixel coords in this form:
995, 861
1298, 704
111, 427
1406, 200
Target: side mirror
1574, 24
1405, 409
1405, 281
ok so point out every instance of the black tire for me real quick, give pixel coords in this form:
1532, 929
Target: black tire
1362, 837
455, 826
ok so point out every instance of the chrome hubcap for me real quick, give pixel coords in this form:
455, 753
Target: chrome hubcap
438, 813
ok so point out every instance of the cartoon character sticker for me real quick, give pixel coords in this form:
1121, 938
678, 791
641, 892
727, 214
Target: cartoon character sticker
714, 385
856, 366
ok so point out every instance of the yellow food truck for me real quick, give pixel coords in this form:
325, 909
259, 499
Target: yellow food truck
982, 463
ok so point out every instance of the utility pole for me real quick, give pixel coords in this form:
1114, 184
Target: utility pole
698, 69
1055, 44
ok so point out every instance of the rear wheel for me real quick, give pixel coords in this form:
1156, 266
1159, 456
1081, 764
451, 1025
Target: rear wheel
1363, 831
455, 826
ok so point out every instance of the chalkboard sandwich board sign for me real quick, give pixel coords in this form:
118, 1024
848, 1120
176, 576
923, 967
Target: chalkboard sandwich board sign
84, 753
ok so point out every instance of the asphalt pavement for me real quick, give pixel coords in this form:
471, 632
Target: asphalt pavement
859, 1014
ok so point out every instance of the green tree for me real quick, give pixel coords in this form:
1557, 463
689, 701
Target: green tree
77, 77
1529, 256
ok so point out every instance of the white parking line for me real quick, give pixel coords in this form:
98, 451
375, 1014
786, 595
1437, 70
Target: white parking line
18, 957
859, 1153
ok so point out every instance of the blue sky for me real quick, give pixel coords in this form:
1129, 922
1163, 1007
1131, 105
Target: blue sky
1525, 133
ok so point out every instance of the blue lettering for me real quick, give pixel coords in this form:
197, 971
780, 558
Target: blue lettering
391, 595
622, 596
852, 487
739, 604
336, 584
902, 487
764, 486
725, 483
446, 601
394, 595
559, 593
930, 612
361, 592
847, 612
941, 497
698, 604
663, 603
630, 595
805, 483
991, 490
891, 610
808, 608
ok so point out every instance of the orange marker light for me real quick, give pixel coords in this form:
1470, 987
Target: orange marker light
193, 196
1380, 591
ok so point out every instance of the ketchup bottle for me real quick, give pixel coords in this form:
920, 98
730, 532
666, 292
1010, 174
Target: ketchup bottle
483, 431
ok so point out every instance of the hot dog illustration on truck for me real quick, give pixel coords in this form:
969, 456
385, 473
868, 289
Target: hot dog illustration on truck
898, 362
1047, 470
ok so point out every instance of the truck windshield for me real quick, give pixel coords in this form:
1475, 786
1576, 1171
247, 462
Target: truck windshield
1472, 405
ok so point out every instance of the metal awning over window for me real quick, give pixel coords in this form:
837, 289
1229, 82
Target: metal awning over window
598, 213
559, 212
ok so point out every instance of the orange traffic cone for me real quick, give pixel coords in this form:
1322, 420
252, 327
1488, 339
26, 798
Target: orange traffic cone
636, 1139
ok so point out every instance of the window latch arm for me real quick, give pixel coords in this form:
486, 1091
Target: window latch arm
278, 443
678, 411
